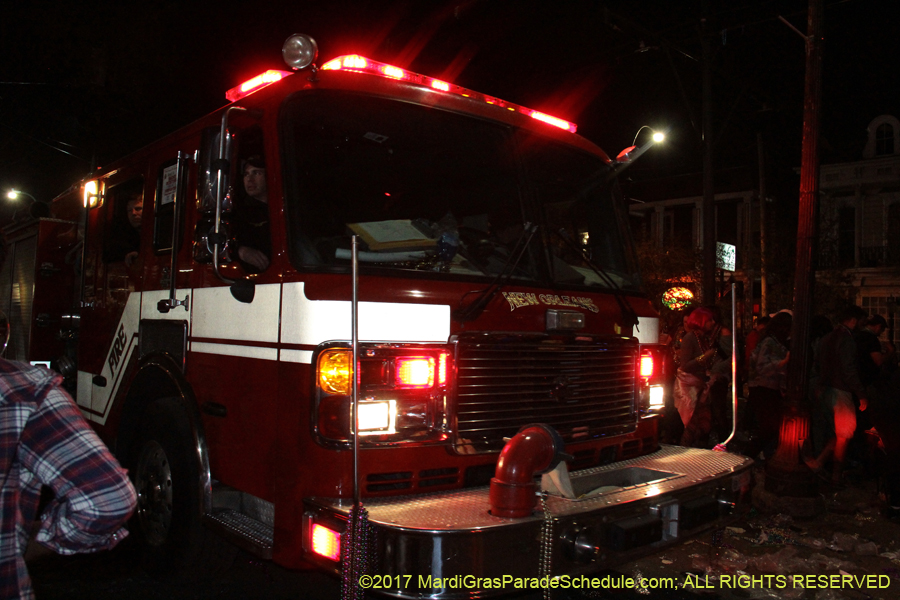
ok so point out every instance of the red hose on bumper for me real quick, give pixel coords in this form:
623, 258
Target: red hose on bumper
535, 449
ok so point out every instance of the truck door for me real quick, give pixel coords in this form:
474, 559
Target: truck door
112, 265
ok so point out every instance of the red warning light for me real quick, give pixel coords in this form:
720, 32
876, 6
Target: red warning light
415, 372
646, 365
254, 84
545, 118
359, 64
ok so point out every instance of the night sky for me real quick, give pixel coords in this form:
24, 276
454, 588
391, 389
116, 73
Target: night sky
82, 85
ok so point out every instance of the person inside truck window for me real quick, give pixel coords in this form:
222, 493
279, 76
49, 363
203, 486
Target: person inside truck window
251, 218
125, 240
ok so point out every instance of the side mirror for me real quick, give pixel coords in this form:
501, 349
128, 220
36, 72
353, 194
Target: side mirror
243, 290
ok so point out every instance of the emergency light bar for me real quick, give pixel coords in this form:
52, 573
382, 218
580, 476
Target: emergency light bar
360, 64
257, 83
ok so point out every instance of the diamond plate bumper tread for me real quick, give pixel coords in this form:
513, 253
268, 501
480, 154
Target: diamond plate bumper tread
467, 510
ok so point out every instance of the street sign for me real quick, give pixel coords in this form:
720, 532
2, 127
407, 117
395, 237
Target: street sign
725, 256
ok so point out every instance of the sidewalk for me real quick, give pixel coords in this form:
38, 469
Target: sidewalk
848, 550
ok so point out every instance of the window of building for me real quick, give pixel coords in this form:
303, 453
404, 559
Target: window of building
846, 236
893, 234
640, 225
682, 225
884, 139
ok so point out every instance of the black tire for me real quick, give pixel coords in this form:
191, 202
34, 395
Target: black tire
168, 519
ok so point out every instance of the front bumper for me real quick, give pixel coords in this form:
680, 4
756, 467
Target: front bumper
447, 545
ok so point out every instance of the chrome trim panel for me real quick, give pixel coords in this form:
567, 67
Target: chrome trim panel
452, 533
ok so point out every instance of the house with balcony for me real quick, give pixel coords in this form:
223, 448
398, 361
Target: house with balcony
859, 221
667, 214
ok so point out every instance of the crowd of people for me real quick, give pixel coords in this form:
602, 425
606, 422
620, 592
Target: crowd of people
854, 390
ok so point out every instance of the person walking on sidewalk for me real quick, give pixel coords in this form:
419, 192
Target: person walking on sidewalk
840, 384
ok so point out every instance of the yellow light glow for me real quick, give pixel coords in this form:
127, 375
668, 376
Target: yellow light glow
440, 85
326, 542
92, 194
334, 372
658, 136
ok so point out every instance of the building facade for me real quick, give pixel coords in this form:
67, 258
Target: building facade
859, 222
668, 214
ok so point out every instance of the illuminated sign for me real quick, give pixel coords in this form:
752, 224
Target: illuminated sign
522, 299
677, 298
725, 256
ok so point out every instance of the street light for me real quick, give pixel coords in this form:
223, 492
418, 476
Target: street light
14, 195
37, 209
633, 152
657, 136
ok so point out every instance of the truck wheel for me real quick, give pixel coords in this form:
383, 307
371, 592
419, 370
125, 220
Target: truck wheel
168, 517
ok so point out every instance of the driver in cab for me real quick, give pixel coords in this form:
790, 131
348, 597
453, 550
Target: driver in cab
251, 224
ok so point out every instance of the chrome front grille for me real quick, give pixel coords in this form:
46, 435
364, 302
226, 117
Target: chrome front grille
582, 389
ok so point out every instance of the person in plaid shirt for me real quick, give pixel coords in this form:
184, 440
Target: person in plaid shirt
44, 440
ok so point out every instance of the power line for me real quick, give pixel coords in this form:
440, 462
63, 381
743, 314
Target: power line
49, 145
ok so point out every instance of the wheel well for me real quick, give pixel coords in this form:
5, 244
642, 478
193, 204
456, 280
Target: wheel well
159, 377
150, 383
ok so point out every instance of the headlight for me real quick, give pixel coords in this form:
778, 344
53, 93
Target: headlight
402, 394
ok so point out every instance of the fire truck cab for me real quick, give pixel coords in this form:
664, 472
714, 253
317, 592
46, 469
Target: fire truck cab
497, 294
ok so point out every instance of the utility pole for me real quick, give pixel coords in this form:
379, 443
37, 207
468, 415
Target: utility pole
709, 207
763, 309
785, 475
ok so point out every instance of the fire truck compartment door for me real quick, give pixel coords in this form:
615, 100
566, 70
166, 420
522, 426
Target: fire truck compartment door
96, 390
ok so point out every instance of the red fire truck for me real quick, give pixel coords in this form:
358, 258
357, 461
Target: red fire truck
502, 334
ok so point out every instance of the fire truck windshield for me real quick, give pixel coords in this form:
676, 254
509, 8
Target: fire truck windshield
428, 190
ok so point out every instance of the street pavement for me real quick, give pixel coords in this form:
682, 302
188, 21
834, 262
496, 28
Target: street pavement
846, 550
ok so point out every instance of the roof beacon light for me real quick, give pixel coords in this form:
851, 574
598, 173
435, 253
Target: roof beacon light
360, 64
299, 51
255, 84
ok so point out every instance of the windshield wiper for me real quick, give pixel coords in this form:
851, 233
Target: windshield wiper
477, 306
629, 316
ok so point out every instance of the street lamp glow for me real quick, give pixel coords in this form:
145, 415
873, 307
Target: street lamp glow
656, 136
14, 195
